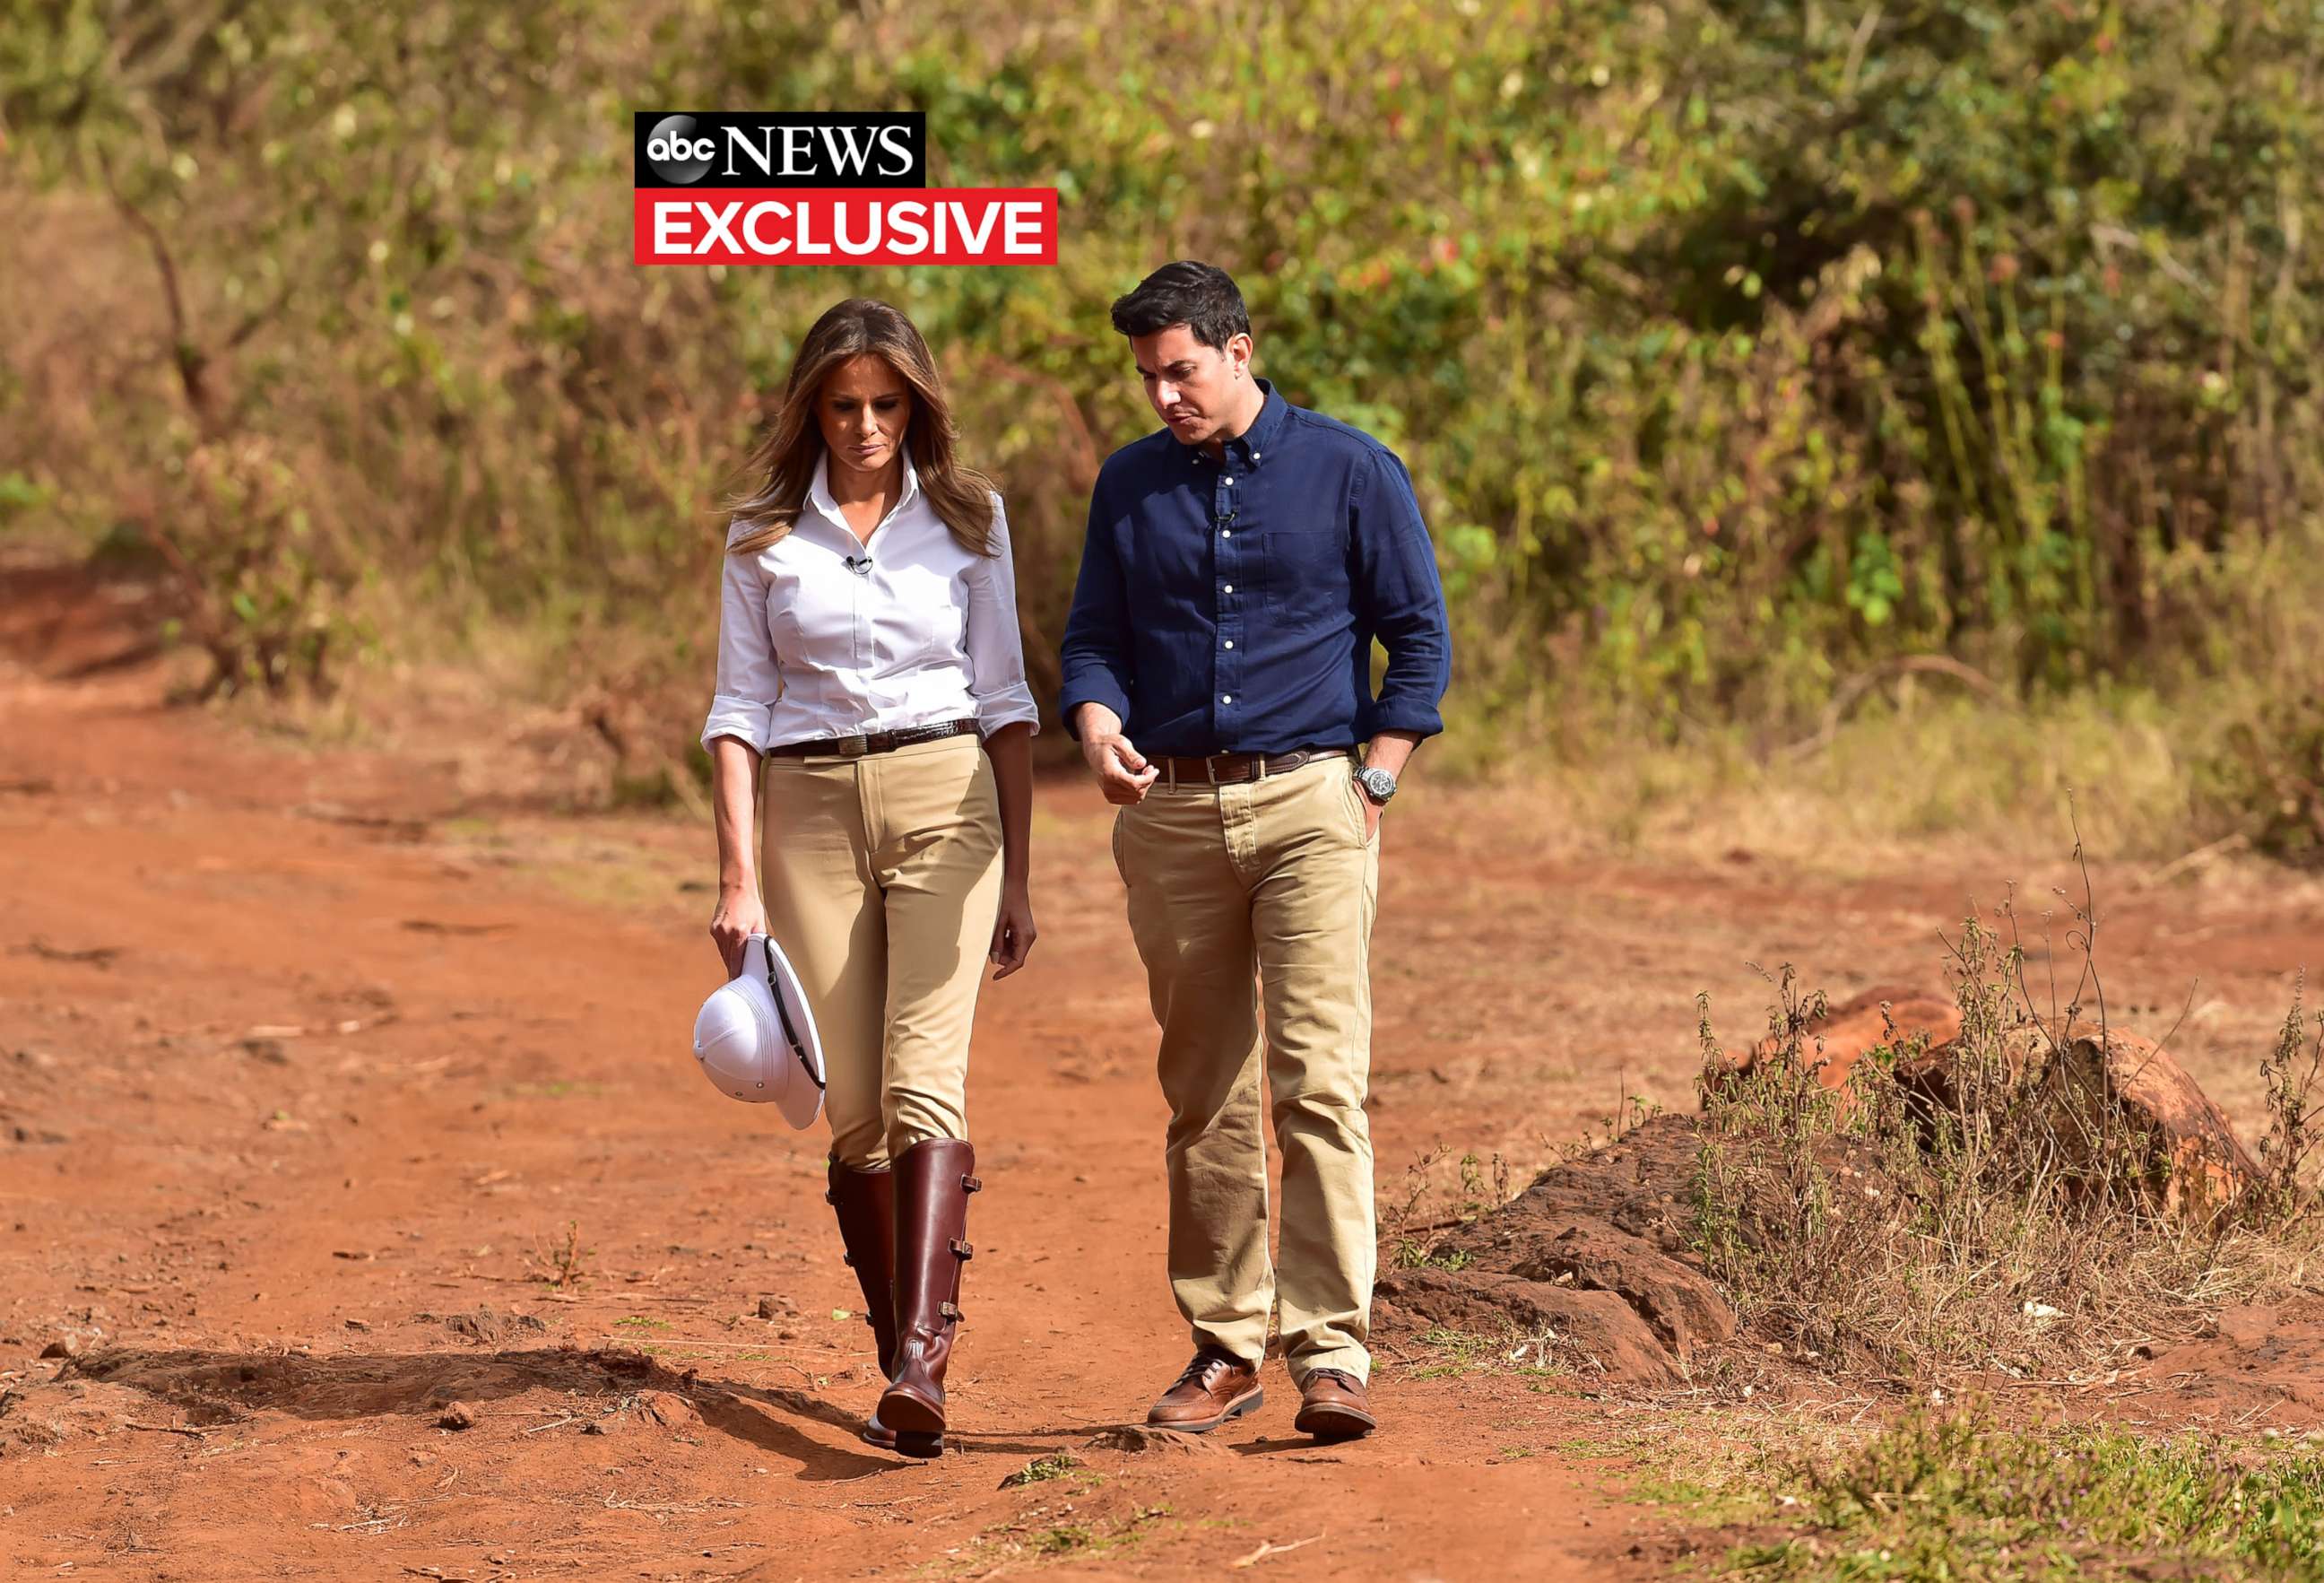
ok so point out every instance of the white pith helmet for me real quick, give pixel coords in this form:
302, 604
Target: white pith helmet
755, 1036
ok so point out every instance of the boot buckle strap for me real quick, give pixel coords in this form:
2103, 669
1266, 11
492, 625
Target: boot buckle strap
971, 1184
950, 1310
962, 1249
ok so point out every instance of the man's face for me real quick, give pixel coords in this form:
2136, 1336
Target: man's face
1194, 388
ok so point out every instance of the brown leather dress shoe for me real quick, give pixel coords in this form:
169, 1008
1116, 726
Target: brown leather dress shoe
1216, 1386
1333, 1406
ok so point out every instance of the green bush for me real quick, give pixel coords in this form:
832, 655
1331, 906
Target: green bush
1736, 346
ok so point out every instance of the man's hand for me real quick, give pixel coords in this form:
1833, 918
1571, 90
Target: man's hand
1390, 751
1122, 772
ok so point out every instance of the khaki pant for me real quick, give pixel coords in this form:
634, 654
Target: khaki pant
1253, 904
882, 880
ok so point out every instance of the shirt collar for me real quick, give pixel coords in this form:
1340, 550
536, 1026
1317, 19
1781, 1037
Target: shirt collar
818, 490
1251, 444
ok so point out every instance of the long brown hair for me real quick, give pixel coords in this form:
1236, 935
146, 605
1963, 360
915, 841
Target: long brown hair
783, 463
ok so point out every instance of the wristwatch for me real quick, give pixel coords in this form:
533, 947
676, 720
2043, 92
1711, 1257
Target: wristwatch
1376, 784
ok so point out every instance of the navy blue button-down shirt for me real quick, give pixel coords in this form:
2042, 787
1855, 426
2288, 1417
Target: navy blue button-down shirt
1230, 605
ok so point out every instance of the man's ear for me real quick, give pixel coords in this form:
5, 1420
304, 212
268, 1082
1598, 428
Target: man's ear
1238, 347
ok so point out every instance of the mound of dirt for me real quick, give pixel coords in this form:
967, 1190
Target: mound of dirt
2194, 1163
1595, 1252
2117, 1083
1599, 1253
1839, 1038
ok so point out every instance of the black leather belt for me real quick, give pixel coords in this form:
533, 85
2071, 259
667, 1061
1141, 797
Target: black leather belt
1232, 769
876, 742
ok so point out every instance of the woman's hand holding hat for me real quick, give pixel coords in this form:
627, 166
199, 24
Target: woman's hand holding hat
739, 915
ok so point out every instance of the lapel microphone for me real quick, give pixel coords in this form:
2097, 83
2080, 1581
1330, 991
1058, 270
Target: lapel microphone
860, 567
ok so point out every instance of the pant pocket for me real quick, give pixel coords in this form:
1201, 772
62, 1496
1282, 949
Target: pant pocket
1352, 802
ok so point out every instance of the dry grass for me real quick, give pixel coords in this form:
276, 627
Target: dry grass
1869, 1229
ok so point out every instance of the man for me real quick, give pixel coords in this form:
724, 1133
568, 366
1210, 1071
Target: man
1218, 673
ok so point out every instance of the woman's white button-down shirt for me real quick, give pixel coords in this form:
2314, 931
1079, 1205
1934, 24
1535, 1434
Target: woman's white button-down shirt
916, 631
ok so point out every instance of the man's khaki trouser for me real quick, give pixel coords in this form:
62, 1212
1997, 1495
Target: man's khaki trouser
882, 880
1253, 902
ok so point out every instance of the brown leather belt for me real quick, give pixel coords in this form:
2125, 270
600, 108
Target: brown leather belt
1232, 769
876, 742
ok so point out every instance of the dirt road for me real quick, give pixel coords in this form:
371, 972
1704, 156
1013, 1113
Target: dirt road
334, 1091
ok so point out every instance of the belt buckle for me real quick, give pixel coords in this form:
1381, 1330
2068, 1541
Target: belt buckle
851, 746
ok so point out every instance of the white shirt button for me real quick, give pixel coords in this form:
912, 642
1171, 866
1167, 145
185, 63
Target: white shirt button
1230, 588
1226, 698
1226, 532
1229, 642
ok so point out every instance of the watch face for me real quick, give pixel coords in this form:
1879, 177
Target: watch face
1378, 784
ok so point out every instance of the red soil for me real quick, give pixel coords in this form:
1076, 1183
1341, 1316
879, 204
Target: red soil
309, 1058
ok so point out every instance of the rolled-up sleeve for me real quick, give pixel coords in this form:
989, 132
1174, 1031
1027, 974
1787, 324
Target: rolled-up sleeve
750, 679
1094, 659
996, 648
1402, 598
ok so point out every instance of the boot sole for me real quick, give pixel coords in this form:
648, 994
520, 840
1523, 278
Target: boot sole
926, 1448
908, 1414
1250, 1400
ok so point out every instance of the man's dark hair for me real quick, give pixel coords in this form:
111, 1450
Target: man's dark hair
1201, 296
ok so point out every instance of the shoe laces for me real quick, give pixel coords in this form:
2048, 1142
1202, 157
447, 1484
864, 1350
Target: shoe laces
1199, 1371
1347, 1381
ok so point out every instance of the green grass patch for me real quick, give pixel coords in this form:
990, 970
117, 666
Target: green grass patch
1953, 1495
1041, 1469
1064, 1539
1415, 1256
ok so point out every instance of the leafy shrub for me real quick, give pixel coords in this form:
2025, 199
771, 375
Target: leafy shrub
1735, 346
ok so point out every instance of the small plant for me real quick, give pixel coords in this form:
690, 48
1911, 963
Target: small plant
564, 1266
1063, 1539
1465, 1352
1041, 1469
1415, 1229
2290, 1074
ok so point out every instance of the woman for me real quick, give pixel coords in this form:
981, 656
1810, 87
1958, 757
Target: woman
867, 640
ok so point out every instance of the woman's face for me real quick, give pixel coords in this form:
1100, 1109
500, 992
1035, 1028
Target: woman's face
864, 407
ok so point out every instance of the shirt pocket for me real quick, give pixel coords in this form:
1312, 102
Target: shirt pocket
811, 616
1302, 572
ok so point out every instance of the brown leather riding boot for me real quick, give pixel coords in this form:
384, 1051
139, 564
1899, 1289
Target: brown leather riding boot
933, 1182
865, 1203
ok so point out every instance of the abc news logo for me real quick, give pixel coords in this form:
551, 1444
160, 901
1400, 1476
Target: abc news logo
838, 187
837, 149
